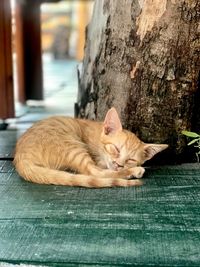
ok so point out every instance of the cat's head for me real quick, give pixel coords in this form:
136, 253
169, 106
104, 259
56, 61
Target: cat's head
122, 148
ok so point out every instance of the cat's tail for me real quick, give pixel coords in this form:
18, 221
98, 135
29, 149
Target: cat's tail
43, 175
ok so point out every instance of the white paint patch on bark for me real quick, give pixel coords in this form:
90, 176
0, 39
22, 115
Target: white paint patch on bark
96, 28
134, 69
152, 11
141, 3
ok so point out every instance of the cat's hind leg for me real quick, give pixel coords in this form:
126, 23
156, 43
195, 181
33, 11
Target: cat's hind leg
77, 158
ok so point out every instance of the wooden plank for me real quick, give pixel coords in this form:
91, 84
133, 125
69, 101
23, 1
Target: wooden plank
50, 242
157, 224
6, 73
6, 166
7, 143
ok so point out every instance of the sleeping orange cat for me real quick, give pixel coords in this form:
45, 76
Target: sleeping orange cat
99, 154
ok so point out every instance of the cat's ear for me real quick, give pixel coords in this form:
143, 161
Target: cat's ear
151, 150
112, 123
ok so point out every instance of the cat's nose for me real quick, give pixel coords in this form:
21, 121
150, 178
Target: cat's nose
120, 166
117, 166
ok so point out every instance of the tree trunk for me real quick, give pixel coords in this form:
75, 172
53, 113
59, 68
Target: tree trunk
142, 56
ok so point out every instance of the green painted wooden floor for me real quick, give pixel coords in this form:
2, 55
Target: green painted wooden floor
157, 224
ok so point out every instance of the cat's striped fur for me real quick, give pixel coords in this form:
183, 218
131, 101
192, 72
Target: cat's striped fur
100, 154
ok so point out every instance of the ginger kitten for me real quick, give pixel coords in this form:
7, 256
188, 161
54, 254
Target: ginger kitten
100, 154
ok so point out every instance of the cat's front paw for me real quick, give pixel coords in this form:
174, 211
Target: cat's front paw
137, 172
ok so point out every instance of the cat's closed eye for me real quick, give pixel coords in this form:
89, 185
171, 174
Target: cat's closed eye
112, 150
131, 162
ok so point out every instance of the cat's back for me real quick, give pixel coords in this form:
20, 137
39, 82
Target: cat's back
48, 130
56, 128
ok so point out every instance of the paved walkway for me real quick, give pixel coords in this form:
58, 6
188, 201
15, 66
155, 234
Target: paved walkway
60, 91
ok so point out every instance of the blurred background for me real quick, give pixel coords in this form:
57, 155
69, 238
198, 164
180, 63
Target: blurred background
62, 28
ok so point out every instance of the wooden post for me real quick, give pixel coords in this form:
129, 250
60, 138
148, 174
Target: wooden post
6, 73
31, 43
83, 17
82, 21
21, 94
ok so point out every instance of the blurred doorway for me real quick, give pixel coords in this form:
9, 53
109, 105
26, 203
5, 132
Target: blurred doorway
48, 44
63, 37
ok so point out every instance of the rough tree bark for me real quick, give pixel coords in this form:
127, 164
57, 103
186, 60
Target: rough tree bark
142, 56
